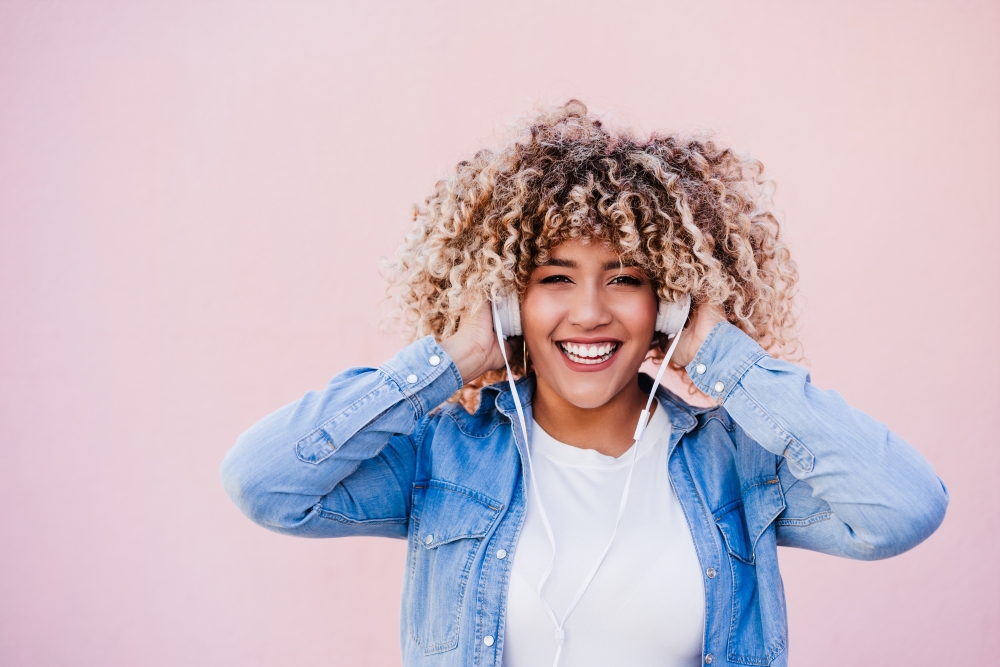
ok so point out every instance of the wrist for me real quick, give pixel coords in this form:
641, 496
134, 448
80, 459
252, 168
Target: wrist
699, 327
722, 360
468, 357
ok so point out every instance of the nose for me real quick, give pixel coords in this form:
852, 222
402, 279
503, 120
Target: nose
588, 309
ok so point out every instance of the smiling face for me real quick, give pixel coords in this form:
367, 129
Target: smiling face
588, 324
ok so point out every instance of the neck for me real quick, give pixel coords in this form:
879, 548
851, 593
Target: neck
607, 429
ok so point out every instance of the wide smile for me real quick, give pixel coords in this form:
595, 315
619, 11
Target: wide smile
589, 354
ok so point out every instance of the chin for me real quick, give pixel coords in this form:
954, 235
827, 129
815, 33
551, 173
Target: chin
590, 393
588, 401
589, 385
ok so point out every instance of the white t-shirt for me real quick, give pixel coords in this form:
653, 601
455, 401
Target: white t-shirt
646, 605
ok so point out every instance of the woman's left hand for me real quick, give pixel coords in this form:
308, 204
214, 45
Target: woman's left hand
699, 325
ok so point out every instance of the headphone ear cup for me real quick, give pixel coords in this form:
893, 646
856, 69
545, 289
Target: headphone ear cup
509, 314
671, 315
514, 308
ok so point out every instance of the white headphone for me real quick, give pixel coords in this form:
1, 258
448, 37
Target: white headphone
670, 319
670, 315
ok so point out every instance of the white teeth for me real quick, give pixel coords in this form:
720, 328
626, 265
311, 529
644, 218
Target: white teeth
589, 354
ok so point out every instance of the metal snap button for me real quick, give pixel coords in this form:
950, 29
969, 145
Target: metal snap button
488, 640
429, 539
434, 360
412, 379
700, 369
719, 387
502, 554
709, 659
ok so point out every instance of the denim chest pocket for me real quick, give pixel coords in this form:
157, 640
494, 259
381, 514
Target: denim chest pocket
449, 524
757, 631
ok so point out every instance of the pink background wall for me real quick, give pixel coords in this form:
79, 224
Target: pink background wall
193, 200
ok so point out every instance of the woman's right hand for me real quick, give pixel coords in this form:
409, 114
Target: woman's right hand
474, 347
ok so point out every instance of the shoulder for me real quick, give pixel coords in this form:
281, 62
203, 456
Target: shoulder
474, 451
480, 424
716, 441
453, 420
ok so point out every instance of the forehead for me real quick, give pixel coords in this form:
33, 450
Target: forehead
588, 253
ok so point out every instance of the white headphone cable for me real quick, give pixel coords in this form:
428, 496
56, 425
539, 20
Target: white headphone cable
639, 429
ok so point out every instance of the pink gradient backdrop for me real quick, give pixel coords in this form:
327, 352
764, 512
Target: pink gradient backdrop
193, 201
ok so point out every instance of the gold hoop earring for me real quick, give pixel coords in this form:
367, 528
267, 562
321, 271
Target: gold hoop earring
524, 352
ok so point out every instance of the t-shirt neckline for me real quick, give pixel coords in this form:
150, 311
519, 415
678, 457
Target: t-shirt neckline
569, 455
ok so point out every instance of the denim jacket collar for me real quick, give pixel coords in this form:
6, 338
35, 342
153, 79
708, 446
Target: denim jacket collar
683, 417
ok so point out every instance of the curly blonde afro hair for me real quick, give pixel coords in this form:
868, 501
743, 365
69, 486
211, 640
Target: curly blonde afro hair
696, 216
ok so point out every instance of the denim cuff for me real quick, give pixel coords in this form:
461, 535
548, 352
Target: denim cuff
725, 356
424, 373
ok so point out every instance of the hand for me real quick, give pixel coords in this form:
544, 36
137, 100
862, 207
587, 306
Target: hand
474, 347
699, 325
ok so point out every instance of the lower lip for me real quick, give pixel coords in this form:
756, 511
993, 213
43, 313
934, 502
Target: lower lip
588, 368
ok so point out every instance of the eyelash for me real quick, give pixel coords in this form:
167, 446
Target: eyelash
631, 281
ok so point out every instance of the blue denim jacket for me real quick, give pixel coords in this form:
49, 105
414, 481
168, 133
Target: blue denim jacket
780, 462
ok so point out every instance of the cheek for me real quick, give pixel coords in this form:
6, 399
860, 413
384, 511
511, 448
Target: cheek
639, 319
540, 315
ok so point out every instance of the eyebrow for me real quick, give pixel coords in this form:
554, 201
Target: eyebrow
608, 266
621, 264
565, 263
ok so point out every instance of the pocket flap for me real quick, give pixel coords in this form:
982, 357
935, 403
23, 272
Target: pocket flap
732, 524
763, 501
449, 512
743, 521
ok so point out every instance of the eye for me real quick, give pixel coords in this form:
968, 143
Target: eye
553, 279
630, 281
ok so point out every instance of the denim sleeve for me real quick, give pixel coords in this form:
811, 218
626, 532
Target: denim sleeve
341, 461
852, 487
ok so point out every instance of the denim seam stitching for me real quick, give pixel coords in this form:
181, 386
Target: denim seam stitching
496, 424
505, 579
481, 498
729, 425
463, 584
788, 438
329, 443
731, 654
418, 408
484, 572
418, 438
736, 377
324, 426
337, 516
449, 645
725, 539
711, 563
756, 662
770, 481
770, 521
805, 521
488, 547
427, 381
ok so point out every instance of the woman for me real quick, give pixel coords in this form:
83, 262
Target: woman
545, 527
